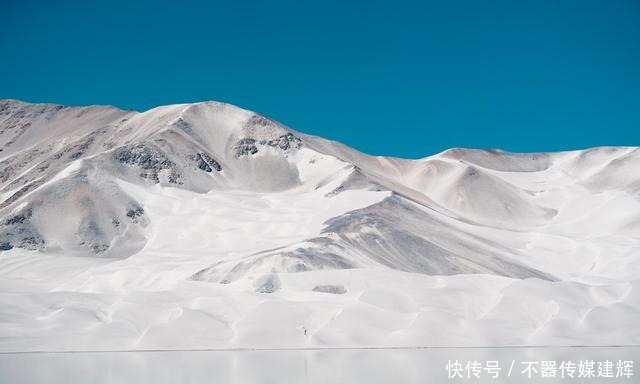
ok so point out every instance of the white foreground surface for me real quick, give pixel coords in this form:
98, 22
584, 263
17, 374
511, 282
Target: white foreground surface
353, 366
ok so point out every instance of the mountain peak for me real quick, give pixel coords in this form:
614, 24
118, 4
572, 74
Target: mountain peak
192, 209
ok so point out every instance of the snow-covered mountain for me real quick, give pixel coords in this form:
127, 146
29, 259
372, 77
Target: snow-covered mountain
208, 226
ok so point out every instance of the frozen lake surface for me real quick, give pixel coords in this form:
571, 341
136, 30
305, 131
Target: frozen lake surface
405, 365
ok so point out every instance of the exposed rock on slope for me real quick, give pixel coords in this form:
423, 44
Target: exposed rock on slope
217, 220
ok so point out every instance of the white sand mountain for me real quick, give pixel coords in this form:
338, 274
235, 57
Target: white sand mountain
208, 226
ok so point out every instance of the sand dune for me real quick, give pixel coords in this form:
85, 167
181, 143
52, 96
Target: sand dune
208, 226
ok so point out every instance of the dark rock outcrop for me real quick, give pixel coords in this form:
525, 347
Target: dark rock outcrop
134, 213
246, 147
150, 160
285, 142
17, 232
207, 163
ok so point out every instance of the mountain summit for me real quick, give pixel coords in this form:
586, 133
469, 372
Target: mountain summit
207, 225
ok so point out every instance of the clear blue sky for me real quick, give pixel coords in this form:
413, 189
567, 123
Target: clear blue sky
397, 78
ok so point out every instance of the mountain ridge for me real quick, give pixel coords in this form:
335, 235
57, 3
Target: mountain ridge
210, 200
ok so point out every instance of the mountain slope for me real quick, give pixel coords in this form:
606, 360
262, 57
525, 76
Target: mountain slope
199, 225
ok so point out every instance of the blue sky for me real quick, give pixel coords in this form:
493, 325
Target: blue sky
398, 78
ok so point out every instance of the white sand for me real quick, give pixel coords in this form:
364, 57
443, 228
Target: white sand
463, 248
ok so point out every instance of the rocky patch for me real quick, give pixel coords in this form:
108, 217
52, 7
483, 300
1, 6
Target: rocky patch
267, 283
150, 160
134, 213
21, 192
17, 232
285, 142
207, 163
246, 147
334, 289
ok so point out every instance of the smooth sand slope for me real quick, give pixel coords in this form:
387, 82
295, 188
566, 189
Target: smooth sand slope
208, 226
